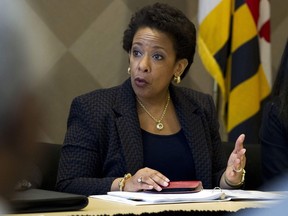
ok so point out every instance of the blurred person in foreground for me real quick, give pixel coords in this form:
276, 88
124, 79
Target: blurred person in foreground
274, 143
18, 109
274, 128
147, 132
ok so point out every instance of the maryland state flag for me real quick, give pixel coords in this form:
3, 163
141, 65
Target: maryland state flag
234, 46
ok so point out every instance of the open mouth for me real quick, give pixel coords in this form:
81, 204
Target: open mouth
141, 82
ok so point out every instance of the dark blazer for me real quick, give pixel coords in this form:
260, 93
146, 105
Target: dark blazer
274, 142
104, 140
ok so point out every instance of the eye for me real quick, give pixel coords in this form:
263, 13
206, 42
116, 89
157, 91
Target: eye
158, 57
136, 53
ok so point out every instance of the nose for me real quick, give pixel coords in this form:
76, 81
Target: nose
144, 64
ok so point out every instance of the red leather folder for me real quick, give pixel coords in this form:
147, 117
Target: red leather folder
183, 186
180, 187
192, 185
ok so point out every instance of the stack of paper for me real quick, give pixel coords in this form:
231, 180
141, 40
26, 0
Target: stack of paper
254, 195
206, 195
142, 198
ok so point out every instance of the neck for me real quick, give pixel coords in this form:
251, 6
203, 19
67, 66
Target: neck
156, 101
154, 110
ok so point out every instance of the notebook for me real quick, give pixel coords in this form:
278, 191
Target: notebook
38, 200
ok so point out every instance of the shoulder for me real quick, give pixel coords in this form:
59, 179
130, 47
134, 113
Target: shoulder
271, 119
93, 105
104, 98
195, 95
271, 109
103, 102
196, 98
99, 96
273, 126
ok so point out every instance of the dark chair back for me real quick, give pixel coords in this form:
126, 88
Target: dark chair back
48, 165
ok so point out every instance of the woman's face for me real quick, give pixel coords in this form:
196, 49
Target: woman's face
153, 63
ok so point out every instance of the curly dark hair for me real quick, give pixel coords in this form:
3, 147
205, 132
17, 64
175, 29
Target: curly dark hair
169, 20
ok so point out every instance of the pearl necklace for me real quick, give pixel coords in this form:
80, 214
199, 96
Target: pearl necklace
159, 124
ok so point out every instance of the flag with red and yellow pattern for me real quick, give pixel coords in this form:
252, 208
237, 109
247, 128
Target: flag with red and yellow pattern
234, 46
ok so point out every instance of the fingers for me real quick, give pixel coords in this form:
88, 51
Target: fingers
237, 162
238, 151
147, 179
156, 180
238, 165
239, 143
237, 159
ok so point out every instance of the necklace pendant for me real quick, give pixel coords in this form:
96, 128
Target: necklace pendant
159, 126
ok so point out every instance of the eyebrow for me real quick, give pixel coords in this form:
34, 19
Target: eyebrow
154, 47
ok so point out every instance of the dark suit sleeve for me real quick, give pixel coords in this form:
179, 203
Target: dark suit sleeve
81, 162
274, 143
219, 161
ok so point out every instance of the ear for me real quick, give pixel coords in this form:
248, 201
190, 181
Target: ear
180, 66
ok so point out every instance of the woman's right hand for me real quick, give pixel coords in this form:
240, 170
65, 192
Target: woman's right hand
146, 179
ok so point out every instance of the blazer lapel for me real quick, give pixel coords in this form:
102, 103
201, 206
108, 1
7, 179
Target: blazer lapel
128, 127
190, 117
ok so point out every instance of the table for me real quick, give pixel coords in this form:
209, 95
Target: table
103, 207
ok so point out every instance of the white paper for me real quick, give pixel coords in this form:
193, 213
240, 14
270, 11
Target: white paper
206, 195
144, 198
254, 195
